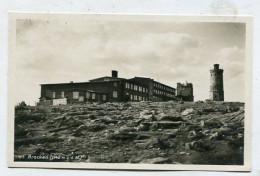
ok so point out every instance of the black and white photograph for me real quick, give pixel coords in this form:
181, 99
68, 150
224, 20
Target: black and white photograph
152, 92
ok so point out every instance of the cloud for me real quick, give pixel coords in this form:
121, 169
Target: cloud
50, 51
233, 62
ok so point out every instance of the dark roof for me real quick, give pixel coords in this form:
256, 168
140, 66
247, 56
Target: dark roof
109, 77
74, 83
153, 81
141, 77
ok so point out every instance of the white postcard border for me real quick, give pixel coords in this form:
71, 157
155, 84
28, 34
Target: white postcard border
248, 20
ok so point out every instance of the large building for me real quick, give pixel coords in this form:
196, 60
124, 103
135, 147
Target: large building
216, 84
185, 91
108, 88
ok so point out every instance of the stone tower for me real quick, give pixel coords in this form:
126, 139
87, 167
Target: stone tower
216, 84
185, 91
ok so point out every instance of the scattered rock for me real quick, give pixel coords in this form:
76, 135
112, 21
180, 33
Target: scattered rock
170, 118
134, 132
158, 160
143, 127
187, 112
168, 124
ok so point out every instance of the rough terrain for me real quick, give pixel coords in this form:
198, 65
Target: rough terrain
137, 132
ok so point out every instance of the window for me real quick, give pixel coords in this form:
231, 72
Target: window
114, 94
62, 94
135, 97
140, 98
146, 90
131, 97
88, 95
53, 94
93, 96
135, 87
140, 88
104, 97
75, 95
115, 84
127, 85
131, 86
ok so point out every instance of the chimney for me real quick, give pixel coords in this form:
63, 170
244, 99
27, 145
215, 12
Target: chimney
216, 66
114, 73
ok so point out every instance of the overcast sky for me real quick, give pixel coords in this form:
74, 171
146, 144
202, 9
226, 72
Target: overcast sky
61, 51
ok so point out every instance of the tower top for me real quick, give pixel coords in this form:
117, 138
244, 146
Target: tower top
216, 66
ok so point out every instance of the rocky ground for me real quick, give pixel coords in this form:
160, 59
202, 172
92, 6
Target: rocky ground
141, 132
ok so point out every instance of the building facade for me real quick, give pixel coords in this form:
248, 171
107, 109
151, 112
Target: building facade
185, 91
216, 84
157, 90
104, 89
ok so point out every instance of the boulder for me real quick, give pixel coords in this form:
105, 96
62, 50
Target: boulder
149, 117
173, 118
202, 145
222, 130
166, 136
95, 127
187, 112
168, 124
152, 143
158, 160
107, 120
126, 117
212, 123
143, 127
126, 129
232, 109
122, 136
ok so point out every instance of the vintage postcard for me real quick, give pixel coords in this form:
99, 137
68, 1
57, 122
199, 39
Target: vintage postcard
134, 92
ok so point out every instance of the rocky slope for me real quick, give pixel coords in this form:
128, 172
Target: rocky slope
141, 132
